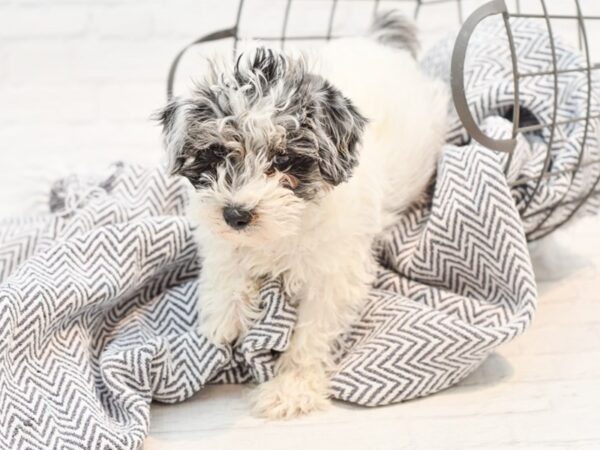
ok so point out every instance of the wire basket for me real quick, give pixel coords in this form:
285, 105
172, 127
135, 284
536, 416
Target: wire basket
338, 18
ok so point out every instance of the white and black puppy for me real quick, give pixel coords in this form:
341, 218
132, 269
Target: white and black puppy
298, 163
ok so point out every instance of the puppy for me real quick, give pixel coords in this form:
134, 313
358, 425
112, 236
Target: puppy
297, 164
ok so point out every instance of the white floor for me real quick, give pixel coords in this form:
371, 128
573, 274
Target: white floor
540, 391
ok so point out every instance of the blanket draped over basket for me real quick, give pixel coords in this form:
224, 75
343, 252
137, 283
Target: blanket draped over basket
98, 300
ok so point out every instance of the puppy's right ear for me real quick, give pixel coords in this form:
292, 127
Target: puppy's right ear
172, 117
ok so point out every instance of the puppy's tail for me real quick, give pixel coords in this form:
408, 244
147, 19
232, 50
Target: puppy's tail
395, 30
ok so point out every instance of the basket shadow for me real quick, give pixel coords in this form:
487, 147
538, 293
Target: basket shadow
496, 369
554, 260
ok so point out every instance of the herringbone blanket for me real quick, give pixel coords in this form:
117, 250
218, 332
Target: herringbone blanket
567, 154
98, 303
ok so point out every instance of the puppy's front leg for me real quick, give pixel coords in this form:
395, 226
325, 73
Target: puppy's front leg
227, 302
219, 321
327, 308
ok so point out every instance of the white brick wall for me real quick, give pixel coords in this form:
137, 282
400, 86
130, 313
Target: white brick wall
79, 79
22, 21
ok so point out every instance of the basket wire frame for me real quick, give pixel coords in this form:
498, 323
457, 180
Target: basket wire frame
499, 7
493, 7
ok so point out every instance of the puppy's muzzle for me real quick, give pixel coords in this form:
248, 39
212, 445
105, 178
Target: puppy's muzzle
236, 217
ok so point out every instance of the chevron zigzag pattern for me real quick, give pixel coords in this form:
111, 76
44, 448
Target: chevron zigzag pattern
98, 301
572, 151
97, 319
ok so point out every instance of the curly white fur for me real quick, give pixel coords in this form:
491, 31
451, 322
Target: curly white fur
318, 241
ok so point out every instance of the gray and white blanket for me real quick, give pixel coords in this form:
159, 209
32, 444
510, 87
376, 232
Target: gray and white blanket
568, 155
98, 300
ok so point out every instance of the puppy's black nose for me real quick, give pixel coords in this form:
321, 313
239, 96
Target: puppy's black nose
236, 217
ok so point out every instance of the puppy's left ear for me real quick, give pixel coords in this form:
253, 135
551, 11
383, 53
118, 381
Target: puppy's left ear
343, 126
172, 119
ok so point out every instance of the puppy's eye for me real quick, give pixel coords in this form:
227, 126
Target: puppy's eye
199, 166
281, 162
217, 150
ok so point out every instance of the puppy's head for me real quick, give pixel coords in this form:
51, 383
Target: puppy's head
258, 140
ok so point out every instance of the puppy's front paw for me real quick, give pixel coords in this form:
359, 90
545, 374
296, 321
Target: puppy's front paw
290, 394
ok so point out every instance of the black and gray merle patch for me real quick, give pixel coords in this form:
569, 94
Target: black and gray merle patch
311, 133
